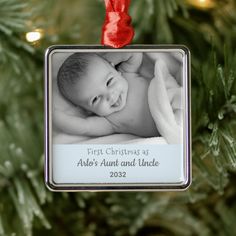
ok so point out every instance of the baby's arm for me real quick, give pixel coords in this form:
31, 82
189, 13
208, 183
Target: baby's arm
127, 62
90, 126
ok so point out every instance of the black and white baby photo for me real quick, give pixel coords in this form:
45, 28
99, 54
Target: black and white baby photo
117, 97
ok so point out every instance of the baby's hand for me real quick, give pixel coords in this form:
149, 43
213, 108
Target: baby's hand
128, 62
116, 57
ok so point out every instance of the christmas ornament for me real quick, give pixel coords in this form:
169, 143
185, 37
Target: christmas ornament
117, 118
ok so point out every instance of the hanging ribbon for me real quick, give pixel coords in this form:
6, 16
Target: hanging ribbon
117, 30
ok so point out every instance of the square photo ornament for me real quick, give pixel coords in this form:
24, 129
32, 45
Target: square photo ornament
117, 119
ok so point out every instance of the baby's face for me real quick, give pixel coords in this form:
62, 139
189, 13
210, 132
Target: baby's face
102, 90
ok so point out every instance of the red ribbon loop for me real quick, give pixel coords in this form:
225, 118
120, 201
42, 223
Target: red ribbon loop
117, 30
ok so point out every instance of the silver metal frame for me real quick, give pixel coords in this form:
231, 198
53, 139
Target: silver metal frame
117, 187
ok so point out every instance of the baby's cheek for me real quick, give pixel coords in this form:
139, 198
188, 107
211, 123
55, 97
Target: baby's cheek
109, 110
104, 108
118, 85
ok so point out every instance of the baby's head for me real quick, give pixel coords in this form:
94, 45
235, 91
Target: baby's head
89, 81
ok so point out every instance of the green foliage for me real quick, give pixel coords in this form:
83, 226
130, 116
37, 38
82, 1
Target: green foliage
213, 119
207, 208
21, 124
155, 18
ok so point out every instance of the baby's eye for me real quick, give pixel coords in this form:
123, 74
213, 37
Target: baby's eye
95, 100
109, 81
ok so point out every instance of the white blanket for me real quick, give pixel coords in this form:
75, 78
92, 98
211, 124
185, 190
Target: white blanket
164, 98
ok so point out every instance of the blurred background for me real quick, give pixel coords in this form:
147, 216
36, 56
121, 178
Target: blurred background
208, 207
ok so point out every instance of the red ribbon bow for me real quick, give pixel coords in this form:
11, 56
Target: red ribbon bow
117, 31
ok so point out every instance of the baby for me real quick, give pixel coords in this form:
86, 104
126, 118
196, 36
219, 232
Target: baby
116, 99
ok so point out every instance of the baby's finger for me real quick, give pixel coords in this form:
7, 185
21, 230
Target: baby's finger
114, 58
